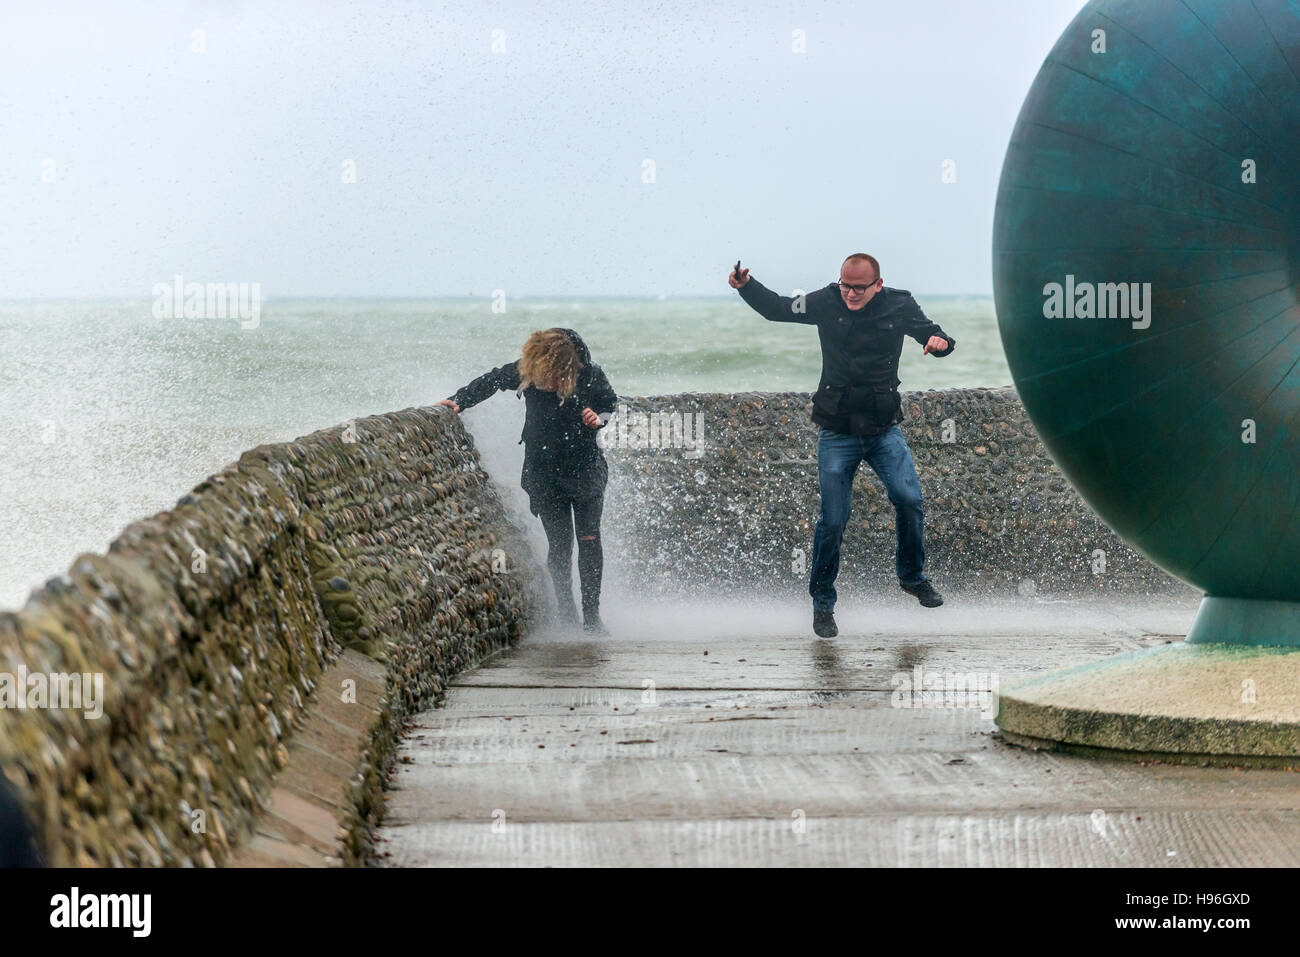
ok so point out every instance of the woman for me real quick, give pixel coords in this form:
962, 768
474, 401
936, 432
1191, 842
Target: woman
564, 470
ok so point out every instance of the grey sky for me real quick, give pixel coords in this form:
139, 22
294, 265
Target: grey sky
519, 170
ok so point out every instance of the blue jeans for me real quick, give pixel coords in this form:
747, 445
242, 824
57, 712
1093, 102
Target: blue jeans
838, 458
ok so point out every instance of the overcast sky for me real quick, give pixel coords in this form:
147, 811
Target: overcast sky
523, 169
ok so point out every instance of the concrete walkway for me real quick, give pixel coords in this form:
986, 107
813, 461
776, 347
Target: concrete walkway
738, 738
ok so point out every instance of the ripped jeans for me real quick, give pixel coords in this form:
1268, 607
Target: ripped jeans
562, 520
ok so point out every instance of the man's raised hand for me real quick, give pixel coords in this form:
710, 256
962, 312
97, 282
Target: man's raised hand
738, 277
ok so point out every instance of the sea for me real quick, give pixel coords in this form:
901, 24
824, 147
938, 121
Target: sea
109, 414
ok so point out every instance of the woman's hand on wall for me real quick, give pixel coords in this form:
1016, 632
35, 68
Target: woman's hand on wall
448, 402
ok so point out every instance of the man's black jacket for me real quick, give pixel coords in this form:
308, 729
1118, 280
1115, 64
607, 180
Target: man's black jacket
858, 391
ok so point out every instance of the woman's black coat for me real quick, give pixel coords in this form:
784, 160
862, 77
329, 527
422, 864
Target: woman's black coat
562, 460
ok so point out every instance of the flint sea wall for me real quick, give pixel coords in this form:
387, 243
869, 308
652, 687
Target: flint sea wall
736, 512
209, 626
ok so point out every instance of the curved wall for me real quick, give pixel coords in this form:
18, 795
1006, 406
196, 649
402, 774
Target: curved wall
208, 625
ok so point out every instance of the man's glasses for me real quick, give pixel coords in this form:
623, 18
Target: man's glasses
860, 290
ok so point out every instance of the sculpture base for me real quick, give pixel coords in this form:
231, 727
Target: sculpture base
1246, 621
1199, 703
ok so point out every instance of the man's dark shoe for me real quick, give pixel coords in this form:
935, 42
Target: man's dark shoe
925, 593
824, 624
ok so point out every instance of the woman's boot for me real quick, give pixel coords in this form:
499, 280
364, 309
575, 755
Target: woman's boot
591, 622
566, 612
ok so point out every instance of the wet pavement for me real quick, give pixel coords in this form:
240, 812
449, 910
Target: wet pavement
736, 737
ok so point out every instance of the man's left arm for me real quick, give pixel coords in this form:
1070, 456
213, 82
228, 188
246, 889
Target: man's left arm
917, 325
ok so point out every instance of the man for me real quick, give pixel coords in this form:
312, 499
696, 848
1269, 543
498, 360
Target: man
861, 324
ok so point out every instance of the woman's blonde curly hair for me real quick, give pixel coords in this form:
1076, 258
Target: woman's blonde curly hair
551, 362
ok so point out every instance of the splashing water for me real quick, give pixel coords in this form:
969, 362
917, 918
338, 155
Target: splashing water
111, 414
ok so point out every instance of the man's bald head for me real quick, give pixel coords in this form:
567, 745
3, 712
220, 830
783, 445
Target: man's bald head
865, 259
859, 272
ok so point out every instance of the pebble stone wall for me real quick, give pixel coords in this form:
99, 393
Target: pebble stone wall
737, 513
211, 622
